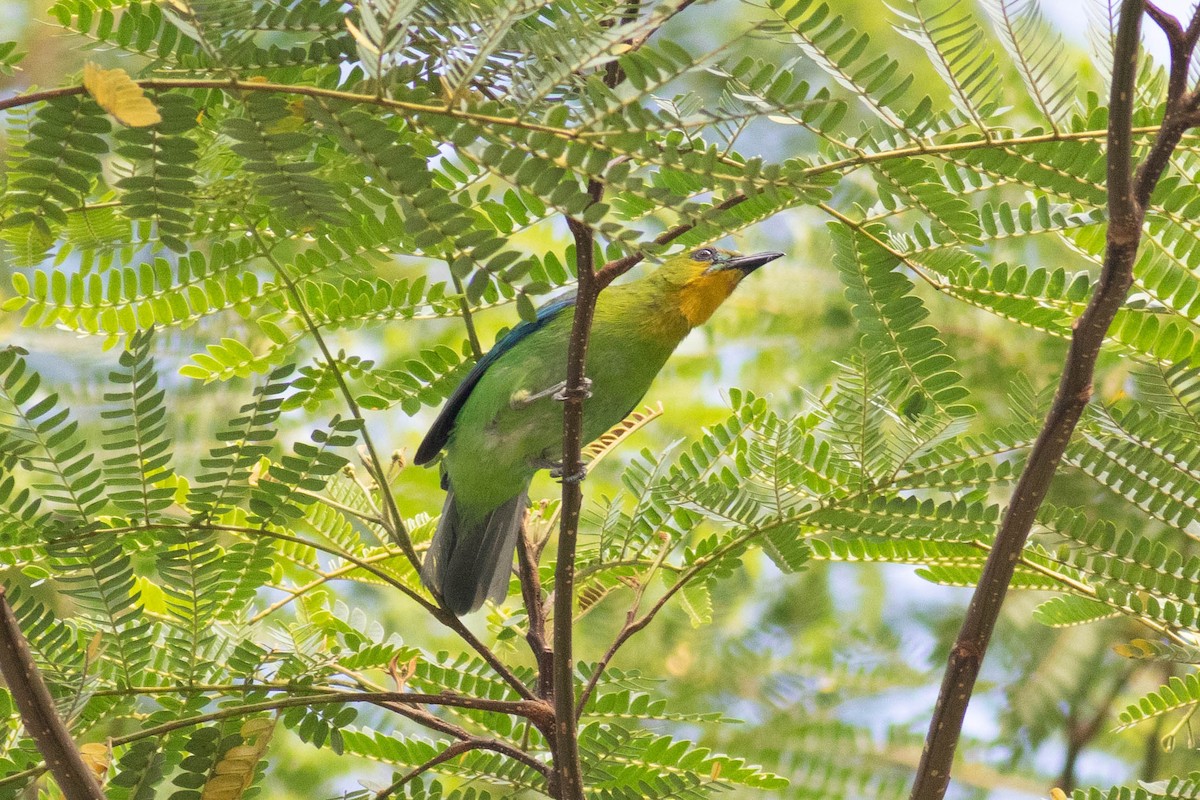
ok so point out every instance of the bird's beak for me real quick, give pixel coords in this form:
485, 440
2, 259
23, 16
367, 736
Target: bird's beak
748, 264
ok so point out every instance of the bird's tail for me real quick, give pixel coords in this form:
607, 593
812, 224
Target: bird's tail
470, 557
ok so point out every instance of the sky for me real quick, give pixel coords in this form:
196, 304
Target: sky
1071, 16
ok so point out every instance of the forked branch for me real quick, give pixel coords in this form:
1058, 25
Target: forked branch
1128, 196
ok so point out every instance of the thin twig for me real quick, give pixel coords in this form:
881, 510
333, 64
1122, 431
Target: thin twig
392, 511
440, 614
1128, 195
1080, 733
534, 711
632, 624
293, 593
468, 317
568, 784
535, 635
452, 750
392, 517
38, 714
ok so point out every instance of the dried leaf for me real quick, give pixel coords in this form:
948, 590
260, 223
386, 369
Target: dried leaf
117, 94
97, 756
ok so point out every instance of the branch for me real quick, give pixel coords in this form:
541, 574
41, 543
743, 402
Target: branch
618, 267
468, 318
1128, 195
632, 623
41, 720
1177, 43
440, 614
396, 523
566, 746
392, 510
457, 749
535, 711
451, 751
235, 85
1080, 733
535, 635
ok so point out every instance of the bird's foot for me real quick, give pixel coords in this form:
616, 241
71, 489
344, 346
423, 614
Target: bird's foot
562, 394
577, 477
556, 471
557, 391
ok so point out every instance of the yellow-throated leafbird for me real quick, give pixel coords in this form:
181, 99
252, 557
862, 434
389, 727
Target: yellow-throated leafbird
502, 424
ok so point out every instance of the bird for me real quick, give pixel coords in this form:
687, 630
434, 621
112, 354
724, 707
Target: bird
502, 424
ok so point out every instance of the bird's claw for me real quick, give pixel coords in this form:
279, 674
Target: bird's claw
557, 392
577, 477
585, 386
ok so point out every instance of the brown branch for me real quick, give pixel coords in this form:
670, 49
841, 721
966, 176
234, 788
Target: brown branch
1128, 195
453, 750
1080, 733
535, 711
440, 614
634, 624
618, 267
566, 746
38, 713
455, 624
535, 635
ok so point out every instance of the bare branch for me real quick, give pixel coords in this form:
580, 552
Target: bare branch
1167, 22
1177, 42
453, 750
531, 592
535, 711
1128, 195
566, 746
41, 720
618, 267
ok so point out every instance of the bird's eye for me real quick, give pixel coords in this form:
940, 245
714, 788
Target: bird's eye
704, 254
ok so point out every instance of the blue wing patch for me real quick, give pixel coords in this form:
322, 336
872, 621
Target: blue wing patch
439, 432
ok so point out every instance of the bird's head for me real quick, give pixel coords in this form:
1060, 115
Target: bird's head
702, 279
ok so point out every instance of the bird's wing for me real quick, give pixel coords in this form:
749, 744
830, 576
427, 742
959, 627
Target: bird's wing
439, 432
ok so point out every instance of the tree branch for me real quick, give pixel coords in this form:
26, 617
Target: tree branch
468, 317
38, 713
534, 711
618, 267
1080, 733
1128, 195
566, 746
535, 635
453, 750
440, 614
391, 515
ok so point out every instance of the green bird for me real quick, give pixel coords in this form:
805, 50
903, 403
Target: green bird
502, 424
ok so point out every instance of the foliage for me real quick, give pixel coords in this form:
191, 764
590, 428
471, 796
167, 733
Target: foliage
257, 182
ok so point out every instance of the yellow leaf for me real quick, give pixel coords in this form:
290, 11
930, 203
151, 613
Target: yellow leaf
233, 774
97, 756
117, 94
95, 647
1057, 794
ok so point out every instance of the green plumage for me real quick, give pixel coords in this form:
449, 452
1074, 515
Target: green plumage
497, 433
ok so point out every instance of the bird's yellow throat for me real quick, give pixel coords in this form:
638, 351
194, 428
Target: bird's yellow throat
700, 297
